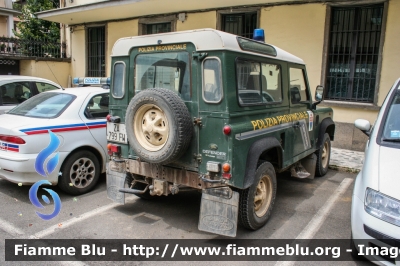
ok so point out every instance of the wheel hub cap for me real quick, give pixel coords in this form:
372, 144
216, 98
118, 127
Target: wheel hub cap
263, 196
152, 130
325, 155
82, 172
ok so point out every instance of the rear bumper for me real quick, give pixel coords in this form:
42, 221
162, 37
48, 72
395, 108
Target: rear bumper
173, 175
20, 168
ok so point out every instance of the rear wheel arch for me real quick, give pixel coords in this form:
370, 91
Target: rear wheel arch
80, 171
93, 150
263, 149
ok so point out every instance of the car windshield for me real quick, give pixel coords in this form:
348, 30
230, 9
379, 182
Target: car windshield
44, 105
391, 130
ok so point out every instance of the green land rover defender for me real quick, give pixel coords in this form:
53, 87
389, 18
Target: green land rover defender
214, 112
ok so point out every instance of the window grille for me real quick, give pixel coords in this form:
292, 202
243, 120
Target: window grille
96, 52
242, 24
353, 53
158, 28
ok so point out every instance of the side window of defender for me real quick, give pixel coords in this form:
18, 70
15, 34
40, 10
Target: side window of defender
271, 82
212, 81
258, 83
118, 80
298, 89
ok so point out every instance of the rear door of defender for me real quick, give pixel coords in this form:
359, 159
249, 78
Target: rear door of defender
219, 206
155, 66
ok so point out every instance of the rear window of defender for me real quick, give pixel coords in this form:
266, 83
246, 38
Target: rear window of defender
163, 70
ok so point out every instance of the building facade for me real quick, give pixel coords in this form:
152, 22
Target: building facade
8, 20
349, 46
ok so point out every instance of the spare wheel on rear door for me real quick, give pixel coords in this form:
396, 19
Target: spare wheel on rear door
158, 125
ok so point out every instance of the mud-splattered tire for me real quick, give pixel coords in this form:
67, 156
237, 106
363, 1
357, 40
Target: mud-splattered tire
158, 125
257, 201
80, 173
323, 156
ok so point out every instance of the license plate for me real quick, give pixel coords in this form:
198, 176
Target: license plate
116, 132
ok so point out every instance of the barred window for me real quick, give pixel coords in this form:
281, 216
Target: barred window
242, 24
158, 28
353, 53
96, 66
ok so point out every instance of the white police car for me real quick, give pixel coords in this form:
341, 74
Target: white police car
59, 136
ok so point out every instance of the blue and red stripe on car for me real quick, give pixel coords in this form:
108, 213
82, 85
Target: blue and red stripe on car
63, 128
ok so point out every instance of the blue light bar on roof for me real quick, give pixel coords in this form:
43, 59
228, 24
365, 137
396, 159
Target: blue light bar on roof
91, 81
258, 35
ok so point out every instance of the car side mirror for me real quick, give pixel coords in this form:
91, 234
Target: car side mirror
363, 125
319, 92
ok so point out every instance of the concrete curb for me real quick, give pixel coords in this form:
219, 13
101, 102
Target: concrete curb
344, 169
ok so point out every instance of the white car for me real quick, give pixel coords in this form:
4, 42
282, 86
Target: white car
375, 210
15, 89
76, 118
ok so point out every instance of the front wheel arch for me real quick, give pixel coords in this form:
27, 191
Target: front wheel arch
327, 126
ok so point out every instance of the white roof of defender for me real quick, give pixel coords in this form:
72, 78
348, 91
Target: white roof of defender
203, 39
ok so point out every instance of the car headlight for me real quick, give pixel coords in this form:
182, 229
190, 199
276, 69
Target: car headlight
381, 206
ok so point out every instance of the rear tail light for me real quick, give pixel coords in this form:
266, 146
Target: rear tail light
227, 130
113, 148
113, 119
226, 175
12, 139
226, 167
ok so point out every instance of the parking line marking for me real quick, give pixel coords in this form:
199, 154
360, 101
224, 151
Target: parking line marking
9, 228
319, 218
316, 222
68, 223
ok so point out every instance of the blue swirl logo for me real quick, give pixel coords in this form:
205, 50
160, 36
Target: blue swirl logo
45, 153
40, 169
35, 201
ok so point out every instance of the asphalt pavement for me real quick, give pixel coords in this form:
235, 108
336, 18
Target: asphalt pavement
304, 209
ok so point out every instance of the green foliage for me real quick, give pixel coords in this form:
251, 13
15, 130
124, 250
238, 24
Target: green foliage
17, 6
31, 27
